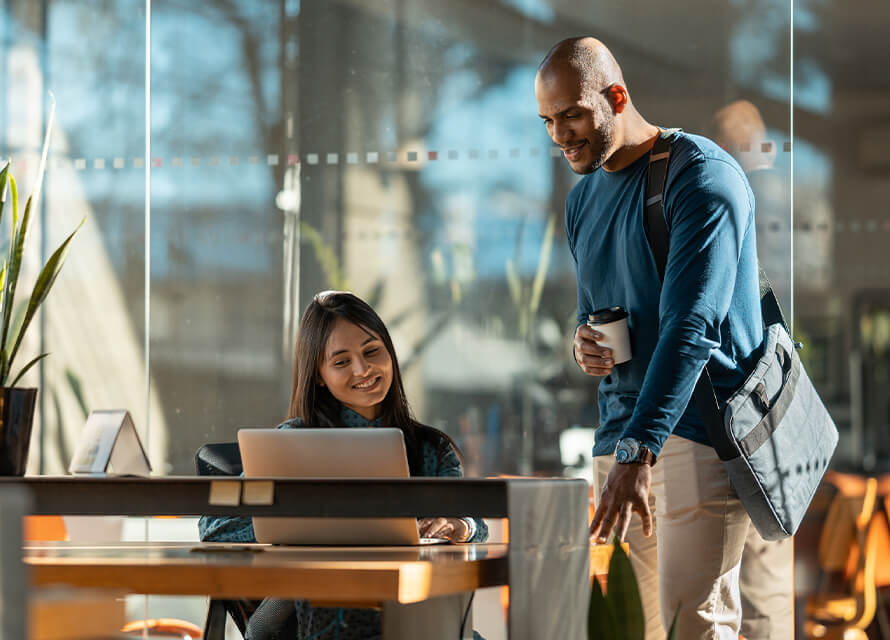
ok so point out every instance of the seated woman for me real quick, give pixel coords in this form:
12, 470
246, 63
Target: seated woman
346, 374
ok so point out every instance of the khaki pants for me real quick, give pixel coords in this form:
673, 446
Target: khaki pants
706, 561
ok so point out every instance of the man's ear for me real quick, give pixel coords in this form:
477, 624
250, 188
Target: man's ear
618, 97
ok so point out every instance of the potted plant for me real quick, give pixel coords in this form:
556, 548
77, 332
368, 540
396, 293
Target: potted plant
16, 404
618, 614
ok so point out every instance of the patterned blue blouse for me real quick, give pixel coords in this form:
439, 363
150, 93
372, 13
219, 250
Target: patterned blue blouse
322, 623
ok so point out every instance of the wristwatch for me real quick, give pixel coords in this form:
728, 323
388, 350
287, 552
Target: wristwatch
631, 450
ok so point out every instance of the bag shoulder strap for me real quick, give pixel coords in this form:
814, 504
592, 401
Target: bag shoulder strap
656, 227
659, 241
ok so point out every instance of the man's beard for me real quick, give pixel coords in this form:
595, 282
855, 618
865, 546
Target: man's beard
601, 146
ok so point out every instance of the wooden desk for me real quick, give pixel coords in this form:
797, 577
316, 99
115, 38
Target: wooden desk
547, 559
349, 575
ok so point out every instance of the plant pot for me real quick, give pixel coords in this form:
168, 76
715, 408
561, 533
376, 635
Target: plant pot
16, 419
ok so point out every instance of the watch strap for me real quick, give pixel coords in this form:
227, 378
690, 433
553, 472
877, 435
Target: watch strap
646, 456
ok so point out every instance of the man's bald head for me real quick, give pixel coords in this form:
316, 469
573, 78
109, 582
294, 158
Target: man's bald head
590, 59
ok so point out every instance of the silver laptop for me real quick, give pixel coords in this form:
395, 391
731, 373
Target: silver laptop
328, 453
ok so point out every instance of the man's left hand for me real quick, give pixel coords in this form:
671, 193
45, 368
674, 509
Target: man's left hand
626, 491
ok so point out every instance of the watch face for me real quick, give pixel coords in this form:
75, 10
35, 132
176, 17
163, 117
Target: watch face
628, 450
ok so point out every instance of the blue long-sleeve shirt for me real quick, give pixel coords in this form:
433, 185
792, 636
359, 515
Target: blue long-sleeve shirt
708, 306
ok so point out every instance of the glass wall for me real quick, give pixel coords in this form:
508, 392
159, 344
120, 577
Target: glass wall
390, 148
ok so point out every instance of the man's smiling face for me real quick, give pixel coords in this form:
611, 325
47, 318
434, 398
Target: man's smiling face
582, 125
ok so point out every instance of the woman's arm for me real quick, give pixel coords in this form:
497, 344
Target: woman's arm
448, 465
226, 529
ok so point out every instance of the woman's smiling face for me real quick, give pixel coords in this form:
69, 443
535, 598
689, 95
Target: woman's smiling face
356, 368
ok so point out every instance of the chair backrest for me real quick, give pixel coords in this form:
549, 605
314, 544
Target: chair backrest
223, 459
219, 459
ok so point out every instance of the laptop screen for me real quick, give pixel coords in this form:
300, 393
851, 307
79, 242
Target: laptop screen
328, 453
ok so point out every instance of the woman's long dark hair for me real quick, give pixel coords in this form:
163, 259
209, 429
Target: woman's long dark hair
314, 403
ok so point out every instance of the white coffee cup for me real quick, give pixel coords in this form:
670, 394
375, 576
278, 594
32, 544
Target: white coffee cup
611, 322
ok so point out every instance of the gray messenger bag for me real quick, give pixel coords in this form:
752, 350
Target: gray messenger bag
774, 435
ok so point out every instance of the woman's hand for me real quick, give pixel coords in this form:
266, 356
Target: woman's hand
453, 529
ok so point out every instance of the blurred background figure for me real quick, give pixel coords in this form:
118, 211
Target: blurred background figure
739, 128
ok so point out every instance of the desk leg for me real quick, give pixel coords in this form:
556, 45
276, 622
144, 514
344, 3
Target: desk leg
433, 619
13, 583
549, 560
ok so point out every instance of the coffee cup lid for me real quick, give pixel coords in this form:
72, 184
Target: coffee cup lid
609, 314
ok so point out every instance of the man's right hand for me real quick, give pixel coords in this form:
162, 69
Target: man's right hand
593, 359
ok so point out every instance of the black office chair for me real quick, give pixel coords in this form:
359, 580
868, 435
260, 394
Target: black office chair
223, 459
219, 459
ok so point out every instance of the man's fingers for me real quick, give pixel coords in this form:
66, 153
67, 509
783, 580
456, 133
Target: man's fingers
596, 371
594, 356
586, 332
647, 518
597, 522
603, 521
592, 349
623, 521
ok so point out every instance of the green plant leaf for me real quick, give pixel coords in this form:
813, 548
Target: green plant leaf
4, 182
602, 623
376, 294
327, 258
543, 266
28, 366
16, 251
672, 634
13, 188
18, 315
2, 286
14, 191
396, 320
624, 594
4, 174
77, 390
514, 285
19, 234
41, 168
424, 341
44, 283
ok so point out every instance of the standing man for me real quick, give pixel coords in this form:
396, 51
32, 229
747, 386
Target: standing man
707, 310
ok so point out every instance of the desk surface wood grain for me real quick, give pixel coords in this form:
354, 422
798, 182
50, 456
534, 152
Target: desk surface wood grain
356, 575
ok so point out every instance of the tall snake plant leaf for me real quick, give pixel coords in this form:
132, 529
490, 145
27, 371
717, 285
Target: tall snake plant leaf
16, 251
624, 593
12, 267
13, 188
601, 621
2, 282
15, 325
28, 366
672, 634
41, 288
4, 179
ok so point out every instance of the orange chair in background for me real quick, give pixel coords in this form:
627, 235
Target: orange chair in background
44, 528
853, 550
167, 627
